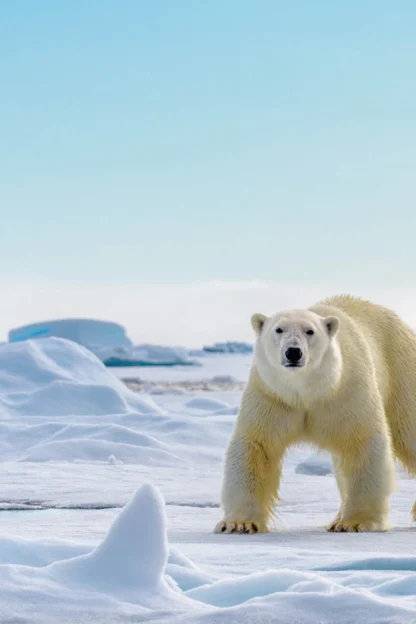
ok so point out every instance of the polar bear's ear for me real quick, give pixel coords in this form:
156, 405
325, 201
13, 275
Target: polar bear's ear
332, 324
257, 322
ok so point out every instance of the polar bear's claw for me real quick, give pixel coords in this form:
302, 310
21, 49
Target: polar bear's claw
345, 526
239, 527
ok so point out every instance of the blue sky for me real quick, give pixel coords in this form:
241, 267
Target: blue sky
171, 143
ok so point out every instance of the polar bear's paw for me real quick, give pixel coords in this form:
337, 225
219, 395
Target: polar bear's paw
228, 526
354, 526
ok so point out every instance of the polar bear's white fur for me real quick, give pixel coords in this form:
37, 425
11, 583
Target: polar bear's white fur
341, 376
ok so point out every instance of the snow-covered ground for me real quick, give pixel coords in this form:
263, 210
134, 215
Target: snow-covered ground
109, 499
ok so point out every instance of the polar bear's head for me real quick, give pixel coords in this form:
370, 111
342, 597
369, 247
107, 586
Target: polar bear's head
293, 343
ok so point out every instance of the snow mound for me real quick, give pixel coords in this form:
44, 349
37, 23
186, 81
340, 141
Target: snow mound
57, 377
307, 603
185, 573
36, 553
59, 403
231, 592
109, 443
122, 580
187, 579
90, 451
316, 464
133, 555
132, 576
113, 461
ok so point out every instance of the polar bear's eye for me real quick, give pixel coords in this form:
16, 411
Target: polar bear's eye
279, 330
310, 332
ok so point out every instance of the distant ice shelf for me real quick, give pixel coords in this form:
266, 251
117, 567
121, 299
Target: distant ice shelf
146, 355
228, 347
107, 340
90, 333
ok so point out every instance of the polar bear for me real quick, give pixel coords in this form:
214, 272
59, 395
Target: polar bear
342, 377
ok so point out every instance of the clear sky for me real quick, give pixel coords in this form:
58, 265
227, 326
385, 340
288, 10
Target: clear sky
150, 146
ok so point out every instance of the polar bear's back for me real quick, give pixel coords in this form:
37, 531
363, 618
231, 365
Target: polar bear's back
391, 341
362, 311
385, 326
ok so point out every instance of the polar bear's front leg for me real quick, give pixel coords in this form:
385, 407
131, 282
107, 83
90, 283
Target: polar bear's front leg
250, 487
336, 467
368, 479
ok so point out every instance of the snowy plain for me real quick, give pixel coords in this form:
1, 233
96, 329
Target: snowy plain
109, 499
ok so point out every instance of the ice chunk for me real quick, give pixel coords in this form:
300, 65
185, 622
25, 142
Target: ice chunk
316, 464
210, 405
229, 347
133, 555
146, 355
113, 461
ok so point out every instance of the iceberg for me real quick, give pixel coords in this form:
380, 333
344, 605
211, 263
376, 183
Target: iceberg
107, 340
145, 355
229, 347
90, 333
157, 355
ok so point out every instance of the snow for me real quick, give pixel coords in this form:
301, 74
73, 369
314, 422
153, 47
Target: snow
54, 376
133, 554
110, 497
125, 572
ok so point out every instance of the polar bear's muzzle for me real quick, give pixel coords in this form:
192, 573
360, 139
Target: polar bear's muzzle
293, 358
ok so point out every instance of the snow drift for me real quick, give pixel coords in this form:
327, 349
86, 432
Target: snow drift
76, 444
54, 376
131, 576
123, 577
59, 403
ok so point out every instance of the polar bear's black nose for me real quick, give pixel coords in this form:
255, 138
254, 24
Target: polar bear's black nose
293, 354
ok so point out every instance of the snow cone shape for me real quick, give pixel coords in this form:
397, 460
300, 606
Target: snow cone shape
132, 556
